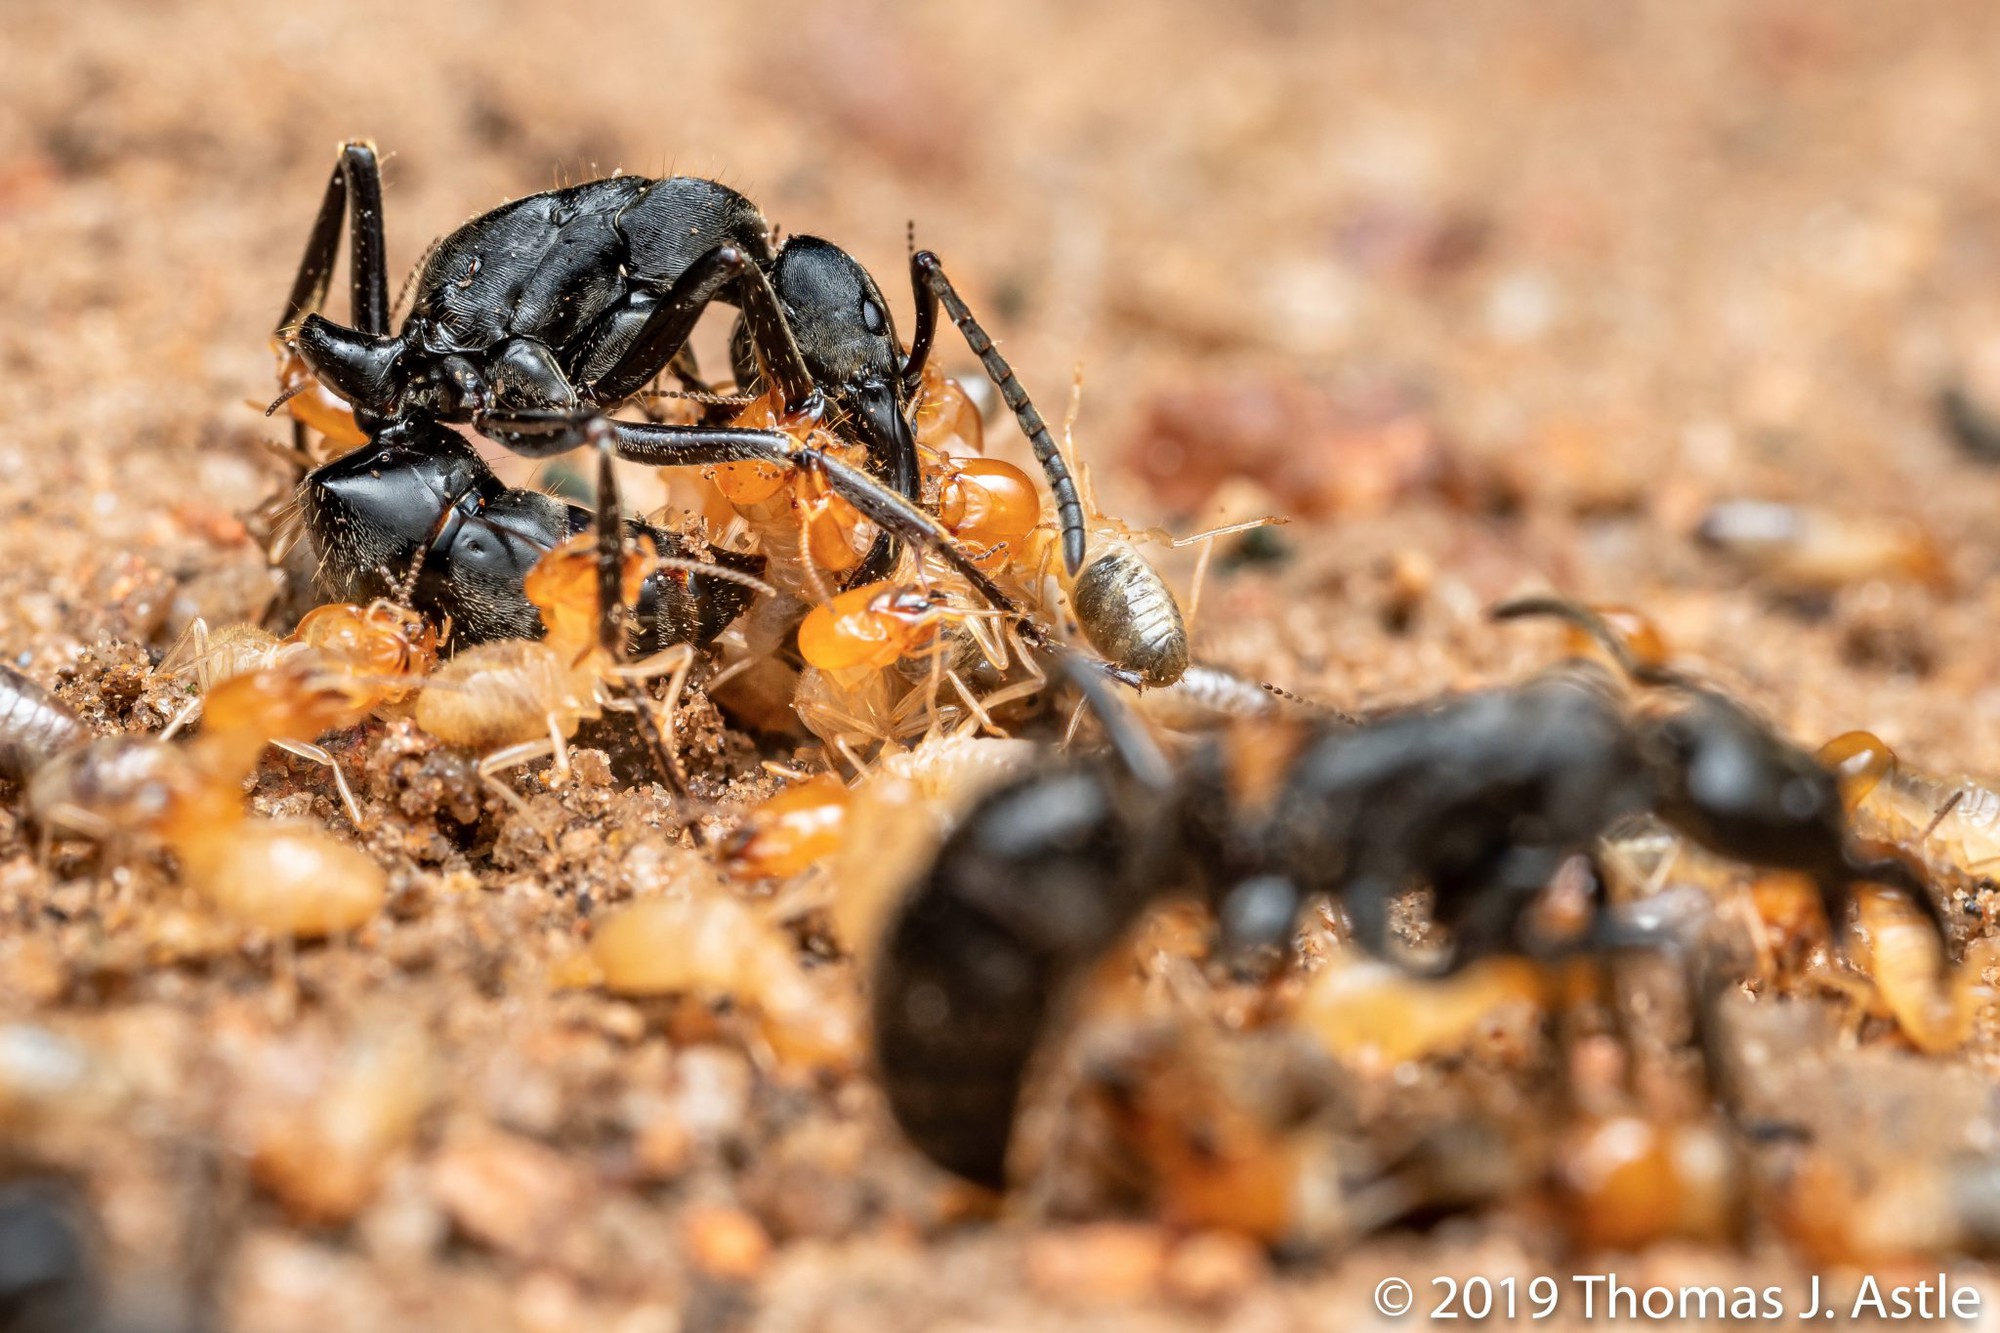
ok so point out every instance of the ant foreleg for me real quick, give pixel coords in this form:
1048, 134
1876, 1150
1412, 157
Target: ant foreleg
932, 286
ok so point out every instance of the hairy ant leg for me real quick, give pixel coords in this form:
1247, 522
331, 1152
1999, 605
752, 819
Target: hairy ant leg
612, 614
662, 339
928, 278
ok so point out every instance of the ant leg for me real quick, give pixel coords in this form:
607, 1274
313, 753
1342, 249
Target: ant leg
1888, 869
320, 756
932, 286
356, 189
610, 546
725, 270
660, 445
1130, 740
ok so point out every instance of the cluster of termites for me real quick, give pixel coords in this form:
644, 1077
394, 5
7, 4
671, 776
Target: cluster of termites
861, 571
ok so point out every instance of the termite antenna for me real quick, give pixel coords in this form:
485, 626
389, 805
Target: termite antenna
712, 570
1327, 710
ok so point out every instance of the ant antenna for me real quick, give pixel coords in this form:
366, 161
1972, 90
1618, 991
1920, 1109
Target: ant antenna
287, 396
1593, 624
406, 588
711, 570
910, 237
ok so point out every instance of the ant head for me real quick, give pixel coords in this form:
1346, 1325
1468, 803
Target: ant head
1735, 785
362, 368
848, 341
420, 499
383, 502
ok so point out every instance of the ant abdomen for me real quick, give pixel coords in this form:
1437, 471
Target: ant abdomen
1020, 900
1129, 614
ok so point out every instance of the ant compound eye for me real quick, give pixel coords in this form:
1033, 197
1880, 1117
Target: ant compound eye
871, 316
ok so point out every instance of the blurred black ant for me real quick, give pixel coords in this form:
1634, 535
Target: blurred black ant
48, 1271
531, 321
1482, 797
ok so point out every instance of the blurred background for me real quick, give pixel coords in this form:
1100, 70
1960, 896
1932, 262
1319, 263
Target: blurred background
1485, 297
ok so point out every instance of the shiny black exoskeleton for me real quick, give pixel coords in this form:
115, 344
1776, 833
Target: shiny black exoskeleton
420, 518
847, 343
1479, 797
532, 321
551, 304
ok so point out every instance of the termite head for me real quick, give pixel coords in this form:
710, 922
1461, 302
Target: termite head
1859, 760
989, 506
381, 640
871, 626
799, 827
563, 587
295, 698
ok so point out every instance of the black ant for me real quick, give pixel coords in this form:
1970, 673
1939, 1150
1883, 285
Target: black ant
418, 517
532, 321
1482, 797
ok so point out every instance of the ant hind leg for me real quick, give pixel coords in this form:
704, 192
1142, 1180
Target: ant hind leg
659, 341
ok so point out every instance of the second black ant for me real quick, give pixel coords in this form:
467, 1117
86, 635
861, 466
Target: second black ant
1480, 797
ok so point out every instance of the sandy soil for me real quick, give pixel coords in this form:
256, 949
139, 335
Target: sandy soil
1489, 298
